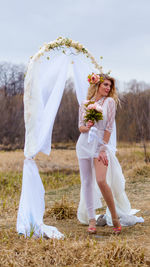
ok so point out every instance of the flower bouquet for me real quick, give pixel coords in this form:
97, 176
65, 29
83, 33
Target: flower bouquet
93, 111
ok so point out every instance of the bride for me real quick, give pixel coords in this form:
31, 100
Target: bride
96, 155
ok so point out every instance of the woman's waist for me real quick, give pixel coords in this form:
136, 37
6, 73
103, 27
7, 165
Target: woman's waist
98, 134
96, 130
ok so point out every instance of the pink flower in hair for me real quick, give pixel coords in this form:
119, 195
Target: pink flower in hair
93, 78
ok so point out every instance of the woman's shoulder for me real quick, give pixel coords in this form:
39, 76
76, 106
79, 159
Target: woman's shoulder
84, 102
109, 99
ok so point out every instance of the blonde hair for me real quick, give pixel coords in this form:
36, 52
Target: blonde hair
93, 88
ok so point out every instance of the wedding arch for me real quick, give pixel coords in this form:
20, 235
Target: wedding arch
43, 89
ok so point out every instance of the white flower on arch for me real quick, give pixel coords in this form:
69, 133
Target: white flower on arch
62, 43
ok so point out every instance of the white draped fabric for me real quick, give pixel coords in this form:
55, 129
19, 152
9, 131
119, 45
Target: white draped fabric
31, 207
44, 86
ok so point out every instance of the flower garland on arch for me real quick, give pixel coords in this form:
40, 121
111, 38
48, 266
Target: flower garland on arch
61, 43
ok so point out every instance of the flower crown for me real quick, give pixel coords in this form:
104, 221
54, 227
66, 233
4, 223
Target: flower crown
95, 78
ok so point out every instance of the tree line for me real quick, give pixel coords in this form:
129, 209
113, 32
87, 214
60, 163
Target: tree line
132, 118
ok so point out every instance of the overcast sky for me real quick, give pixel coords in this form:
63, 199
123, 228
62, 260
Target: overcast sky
118, 30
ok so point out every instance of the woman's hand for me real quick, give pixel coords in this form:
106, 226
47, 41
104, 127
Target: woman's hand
103, 157
85, 129
89, 124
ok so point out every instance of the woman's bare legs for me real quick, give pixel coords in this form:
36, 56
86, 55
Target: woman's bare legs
100, 170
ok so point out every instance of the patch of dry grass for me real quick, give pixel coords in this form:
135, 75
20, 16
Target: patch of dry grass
60, 179
60, 176
62, 209
17, 251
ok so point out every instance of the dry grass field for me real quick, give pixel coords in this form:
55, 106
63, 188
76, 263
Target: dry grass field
60, 175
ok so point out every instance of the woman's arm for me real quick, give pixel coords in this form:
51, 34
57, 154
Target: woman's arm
83, 129
111, 112
106, 136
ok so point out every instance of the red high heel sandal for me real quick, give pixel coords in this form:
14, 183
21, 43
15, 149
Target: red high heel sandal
117, 230
92, 228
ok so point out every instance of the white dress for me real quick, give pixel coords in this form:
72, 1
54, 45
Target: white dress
91, 150
114, 175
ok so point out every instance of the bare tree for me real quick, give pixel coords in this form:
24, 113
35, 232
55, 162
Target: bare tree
12, 78
66, 123
133, 117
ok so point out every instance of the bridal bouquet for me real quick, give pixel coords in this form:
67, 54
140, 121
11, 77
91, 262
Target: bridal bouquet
93, 111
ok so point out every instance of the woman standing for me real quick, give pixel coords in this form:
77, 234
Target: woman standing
97, 159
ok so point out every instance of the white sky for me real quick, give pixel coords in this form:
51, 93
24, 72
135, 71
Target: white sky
118, 30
